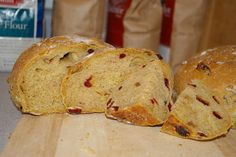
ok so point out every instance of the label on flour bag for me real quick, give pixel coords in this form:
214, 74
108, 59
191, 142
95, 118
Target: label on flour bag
16, 22
21, 25
115, 27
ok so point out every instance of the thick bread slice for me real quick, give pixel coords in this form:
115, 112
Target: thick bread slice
217, 69
143, 97
89, 84
197, 114
36, 77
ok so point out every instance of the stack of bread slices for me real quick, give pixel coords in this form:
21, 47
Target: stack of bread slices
71, 74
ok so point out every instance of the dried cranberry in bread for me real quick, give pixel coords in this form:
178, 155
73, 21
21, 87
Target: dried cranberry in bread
217, 69
36, 77
144, 95
89, 85
197, 114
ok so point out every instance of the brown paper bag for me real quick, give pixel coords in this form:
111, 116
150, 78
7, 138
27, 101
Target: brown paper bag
142, 24
134, 23
83, 17
220, 25
189, 18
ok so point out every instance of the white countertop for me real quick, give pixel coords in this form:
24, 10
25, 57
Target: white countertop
9, 115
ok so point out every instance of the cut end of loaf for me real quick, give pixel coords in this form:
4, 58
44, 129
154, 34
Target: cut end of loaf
217, 69
197, 114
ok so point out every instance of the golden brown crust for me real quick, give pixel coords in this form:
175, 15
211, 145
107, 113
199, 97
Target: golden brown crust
217, 69
135, 114
45, 47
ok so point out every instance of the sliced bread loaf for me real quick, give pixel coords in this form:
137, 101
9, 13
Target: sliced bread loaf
89, 85
197, 114
36, 77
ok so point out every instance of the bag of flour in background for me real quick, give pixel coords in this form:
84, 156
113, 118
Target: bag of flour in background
134, 23
188, 25
82, 17
21, 25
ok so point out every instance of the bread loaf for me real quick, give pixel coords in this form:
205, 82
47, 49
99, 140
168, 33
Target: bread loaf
36, 77
91, 86
217, 69
197, 114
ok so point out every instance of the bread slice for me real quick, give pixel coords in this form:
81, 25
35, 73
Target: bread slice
88, 86
36, 77
217, 69
197, 114
143, 97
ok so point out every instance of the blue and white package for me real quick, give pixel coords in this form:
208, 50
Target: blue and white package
21, 25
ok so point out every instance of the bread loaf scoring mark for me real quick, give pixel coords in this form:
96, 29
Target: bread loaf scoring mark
74, 110
137, 84
169, 106
201, 134
204, 102
122, 55
154, 101
90, 51
87, 82
216, 115
166, 81
120, 88
159, 56
193, 85
181, 130
216, 100
203, 67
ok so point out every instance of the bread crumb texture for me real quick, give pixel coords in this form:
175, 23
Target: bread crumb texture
127, 84
37, 74
217, 69
197, 114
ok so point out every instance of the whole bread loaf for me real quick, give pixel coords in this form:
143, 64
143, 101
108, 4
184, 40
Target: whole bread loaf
131, 85
37, 74
217, 69
197, 114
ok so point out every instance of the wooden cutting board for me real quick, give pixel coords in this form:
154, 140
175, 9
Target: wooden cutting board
93, 135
